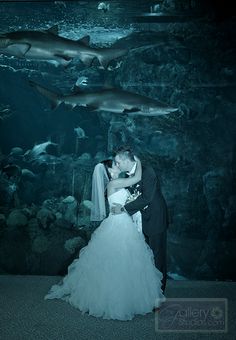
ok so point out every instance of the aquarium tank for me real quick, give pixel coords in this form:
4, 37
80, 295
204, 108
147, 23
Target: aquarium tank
78, 79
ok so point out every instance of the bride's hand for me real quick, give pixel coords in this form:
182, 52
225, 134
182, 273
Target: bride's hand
116, 208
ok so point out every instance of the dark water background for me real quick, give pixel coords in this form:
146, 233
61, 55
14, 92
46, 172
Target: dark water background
189, 63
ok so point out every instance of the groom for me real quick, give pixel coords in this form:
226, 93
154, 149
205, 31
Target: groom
150, 203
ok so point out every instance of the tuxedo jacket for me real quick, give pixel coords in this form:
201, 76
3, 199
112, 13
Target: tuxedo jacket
150, 203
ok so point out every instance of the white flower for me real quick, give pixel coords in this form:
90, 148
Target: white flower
133, 197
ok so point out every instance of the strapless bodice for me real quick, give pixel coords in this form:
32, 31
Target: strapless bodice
120, 196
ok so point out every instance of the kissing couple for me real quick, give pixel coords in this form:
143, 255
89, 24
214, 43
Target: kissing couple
122, 270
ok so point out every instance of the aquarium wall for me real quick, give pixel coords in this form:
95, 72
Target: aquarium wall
169, 69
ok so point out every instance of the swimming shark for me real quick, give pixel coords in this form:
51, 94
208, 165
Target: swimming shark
109, 99
48, 45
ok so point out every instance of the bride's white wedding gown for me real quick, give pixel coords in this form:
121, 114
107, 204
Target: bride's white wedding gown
115, 276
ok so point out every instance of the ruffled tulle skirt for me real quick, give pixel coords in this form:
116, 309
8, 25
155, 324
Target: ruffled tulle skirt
115, 276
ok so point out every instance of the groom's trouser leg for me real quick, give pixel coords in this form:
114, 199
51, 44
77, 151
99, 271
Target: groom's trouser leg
157, 243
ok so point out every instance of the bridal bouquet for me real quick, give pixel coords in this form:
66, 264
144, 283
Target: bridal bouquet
134, 196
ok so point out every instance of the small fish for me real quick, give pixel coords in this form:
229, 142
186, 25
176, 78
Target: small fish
82, 81
17, 151
80, 133
104, 6
40, 149
155, 8
5, 111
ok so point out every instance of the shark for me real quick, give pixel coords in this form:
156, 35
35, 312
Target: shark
48, 45
111, 100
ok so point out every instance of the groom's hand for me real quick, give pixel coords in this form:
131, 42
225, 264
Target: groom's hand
116, 209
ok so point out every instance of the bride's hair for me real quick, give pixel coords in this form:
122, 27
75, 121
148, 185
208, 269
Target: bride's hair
125, 152
107, 164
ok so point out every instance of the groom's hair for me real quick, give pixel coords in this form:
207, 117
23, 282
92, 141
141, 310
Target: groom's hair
125, 152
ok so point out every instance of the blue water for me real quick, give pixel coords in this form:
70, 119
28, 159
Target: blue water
75, 19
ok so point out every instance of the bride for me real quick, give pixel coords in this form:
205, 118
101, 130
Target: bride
115, 275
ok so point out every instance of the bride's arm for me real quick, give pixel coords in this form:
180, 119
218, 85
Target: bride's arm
127, 182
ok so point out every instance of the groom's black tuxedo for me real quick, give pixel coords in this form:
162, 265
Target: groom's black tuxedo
153, 208
150, 203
